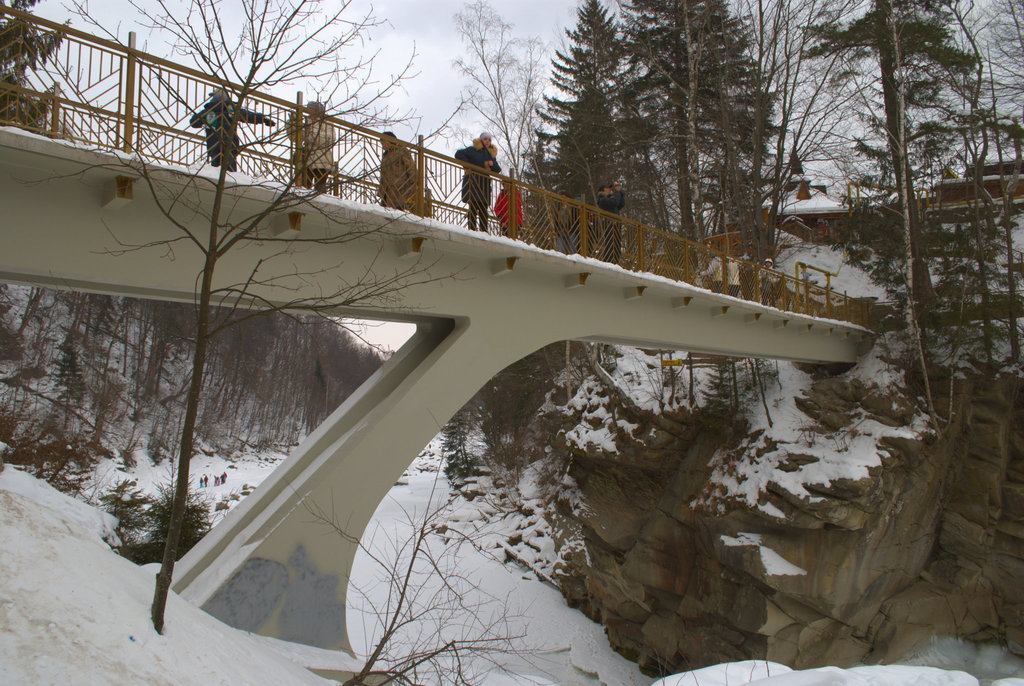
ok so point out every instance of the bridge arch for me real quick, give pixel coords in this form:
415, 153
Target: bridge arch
268, 566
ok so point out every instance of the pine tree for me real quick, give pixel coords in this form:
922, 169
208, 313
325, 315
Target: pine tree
24, 48
695, 79
911, 44
458, 461
129, 504
69, 375
584, 115
195, 525
720, 399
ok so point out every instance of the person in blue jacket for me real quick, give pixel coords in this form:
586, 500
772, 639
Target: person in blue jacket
222, 141
476, 187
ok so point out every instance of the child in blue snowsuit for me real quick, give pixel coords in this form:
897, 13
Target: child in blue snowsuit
222, 142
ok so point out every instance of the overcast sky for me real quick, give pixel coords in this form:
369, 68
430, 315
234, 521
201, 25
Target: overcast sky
428, 25
423, 27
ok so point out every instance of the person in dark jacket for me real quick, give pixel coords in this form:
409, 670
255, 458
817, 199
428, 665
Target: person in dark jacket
220, 118
619, 195
611, 201
476, 187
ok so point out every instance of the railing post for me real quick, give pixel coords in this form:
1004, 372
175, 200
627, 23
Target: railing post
640, 248
584, 232
296, 135
55, 111
421, 179
512, 195
687, 276
128, 142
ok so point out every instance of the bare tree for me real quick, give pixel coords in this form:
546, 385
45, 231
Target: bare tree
898, 143
1006, 37
807, 116
678, 72
1005, 34
255, 43
987, 118
507, 77
428, 621
264, 45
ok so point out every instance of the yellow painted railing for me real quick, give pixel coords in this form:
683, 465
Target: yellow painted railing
101, 93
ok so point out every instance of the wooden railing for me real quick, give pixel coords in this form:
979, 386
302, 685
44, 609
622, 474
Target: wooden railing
97, 92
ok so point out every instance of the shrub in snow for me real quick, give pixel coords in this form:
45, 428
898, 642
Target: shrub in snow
65, 466
130, 505
195, 525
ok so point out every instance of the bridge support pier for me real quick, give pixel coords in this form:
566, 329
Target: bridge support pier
271, 566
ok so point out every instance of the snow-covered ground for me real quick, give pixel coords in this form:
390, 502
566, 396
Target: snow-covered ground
558, 644
73, 612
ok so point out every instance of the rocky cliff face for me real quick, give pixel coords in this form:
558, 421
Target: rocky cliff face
854, 535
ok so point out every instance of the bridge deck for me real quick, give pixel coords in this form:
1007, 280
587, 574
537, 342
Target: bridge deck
102, 94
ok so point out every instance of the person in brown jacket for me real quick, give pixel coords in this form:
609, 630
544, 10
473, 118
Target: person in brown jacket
397, 174
314, 148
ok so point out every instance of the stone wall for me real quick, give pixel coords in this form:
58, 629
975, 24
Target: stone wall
930, 543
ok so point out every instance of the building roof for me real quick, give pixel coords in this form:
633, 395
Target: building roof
808, 200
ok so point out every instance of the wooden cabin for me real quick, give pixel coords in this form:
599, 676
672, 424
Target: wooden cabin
808, 212
953, 196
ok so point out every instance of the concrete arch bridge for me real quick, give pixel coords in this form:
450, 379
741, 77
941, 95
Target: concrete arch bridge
98, 192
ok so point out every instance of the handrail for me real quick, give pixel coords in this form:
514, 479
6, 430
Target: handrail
102, 93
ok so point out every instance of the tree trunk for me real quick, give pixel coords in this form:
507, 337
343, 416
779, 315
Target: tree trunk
897, 140
164, 577
920, 287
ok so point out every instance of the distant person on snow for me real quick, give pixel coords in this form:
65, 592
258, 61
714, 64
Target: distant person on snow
476, 186
220, 119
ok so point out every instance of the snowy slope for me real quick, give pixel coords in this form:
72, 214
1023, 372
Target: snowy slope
73, 612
